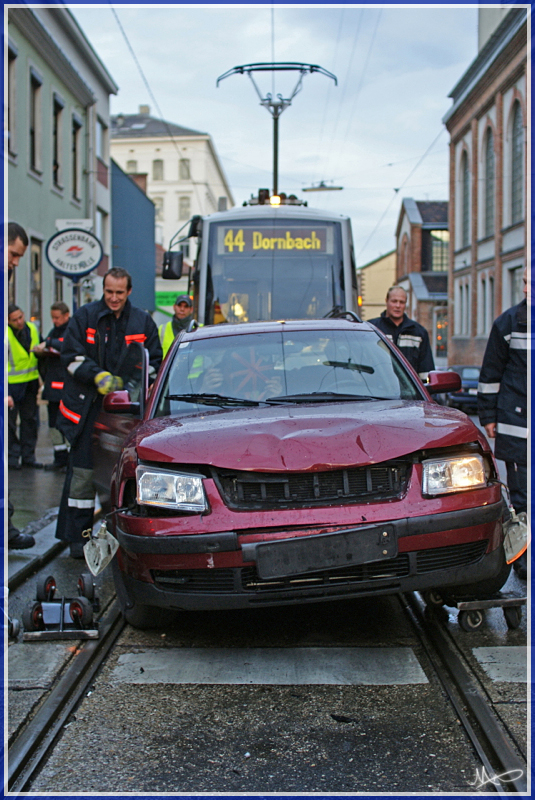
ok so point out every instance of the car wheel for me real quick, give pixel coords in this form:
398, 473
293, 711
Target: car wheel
483, 589
145, 617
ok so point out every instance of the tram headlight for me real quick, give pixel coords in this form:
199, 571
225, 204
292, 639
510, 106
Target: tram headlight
168, 489
456, 474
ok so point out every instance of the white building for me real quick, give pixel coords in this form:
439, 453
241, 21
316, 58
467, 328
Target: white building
183, 173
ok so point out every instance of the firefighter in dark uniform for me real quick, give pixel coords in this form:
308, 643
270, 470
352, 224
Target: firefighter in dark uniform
94, 343
53, 375
502, 402
407, 334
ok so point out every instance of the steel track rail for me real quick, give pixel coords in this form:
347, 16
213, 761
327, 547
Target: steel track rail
487, 735
28, 751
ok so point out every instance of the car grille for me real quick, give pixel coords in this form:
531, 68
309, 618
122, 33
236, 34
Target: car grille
267, 490
246, 580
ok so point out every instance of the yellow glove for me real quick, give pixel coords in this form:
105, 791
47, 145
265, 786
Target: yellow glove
106, 382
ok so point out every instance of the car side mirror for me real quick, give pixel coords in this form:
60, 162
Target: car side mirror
173, 264
120, 403
440, 382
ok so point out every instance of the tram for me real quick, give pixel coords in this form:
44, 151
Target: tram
272, 258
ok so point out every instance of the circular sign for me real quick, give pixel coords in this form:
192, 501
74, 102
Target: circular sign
74, 252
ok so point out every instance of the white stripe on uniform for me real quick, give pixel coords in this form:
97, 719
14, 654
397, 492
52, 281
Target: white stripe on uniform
488, 388
512, 430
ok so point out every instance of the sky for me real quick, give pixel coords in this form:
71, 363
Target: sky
377, 132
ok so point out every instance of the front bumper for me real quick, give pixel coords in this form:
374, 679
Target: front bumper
445, 550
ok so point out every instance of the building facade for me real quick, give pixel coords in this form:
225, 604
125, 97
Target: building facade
57, 150
489, 206
179, 166
132, 236
375, 279
422, 258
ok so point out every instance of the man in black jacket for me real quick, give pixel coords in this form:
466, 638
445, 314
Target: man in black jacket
53, 375
502, 401
94, 344
407, 334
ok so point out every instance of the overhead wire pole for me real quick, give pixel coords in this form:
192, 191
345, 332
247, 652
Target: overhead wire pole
276, 107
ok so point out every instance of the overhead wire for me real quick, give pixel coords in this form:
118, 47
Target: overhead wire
152, 96
396, 191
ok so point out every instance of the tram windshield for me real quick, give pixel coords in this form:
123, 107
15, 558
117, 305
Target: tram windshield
273, 269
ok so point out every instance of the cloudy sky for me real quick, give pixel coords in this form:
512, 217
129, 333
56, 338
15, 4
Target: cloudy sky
377, 131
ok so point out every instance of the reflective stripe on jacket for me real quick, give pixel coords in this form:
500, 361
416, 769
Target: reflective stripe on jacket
21, 365
502, 389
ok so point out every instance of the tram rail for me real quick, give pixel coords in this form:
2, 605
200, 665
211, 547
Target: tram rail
489, 739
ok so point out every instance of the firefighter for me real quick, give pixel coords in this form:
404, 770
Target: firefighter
94, 344
502, 401
183, 315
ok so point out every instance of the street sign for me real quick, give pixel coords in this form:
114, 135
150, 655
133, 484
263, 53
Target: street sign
86, 224
74, 252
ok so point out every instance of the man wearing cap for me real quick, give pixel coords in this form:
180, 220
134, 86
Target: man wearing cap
168, 331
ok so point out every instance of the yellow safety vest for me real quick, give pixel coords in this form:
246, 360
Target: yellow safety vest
21, 365
167, 337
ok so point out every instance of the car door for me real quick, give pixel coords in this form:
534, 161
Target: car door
121, 412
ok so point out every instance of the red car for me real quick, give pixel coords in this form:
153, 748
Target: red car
292, 462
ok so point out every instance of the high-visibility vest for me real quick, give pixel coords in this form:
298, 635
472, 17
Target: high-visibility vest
21, 365
167, 336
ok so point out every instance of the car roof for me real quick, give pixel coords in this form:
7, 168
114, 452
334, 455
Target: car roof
277, 326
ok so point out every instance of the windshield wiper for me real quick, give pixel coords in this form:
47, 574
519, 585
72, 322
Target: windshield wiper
349, 365
320, 397
212, 399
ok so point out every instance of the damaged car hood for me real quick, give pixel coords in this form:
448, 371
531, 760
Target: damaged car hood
303, 437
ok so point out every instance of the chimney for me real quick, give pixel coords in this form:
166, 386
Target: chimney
144, 110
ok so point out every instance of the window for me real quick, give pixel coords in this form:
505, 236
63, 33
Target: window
185, 250
58, 288
57, 118
158, 207
131, 166
35, 120
517, 170
184, 208
441, 332
489, 183
157, 169
184, 170
440, 245
100, 140
516, 285
221, 203
11, 101
76, 167
462, 306
101, 221
465, 201
35, 282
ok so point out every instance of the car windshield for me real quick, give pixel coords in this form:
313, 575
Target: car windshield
283, 367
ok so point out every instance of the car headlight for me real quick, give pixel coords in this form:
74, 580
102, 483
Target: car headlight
167, 489
457, 474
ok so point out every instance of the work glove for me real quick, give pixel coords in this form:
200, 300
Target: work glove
106, 382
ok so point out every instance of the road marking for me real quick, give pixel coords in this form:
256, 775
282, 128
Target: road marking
507, 664
374, 666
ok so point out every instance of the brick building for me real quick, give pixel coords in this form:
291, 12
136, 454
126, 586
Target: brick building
488, 126
422, 250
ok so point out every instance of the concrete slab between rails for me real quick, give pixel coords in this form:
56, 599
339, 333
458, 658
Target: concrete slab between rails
372, 666
35, 667
508, 664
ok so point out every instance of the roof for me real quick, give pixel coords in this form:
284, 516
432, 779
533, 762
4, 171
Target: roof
493, 48
429, 285
145, 126
428, 214
433, 212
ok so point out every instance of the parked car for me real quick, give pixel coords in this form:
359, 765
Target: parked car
466, 397
292, 462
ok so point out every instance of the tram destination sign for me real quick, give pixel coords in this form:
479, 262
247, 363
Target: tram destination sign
267, 240
74, 252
